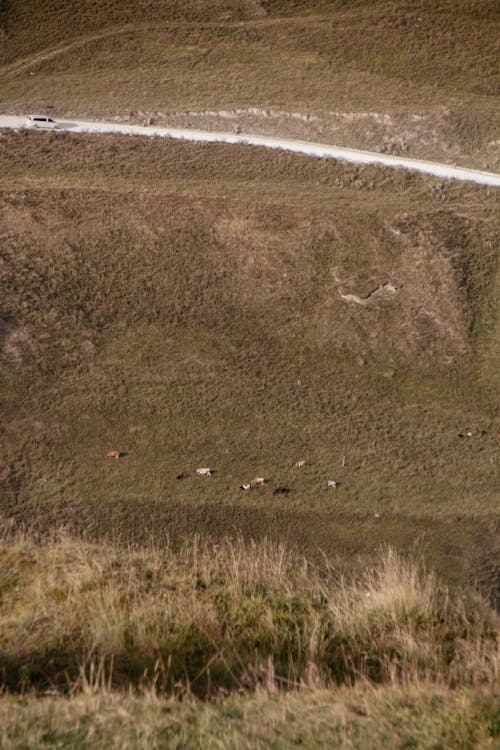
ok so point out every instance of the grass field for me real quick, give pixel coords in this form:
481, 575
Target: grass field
418, 78
193, 305
182, 304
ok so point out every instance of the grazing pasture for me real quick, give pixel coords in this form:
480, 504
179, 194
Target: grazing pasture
185, 304
177, 318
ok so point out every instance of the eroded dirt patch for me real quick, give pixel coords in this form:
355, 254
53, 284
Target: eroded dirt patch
411, 304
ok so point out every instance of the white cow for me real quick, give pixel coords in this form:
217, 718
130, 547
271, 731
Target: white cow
205, 472
257, 481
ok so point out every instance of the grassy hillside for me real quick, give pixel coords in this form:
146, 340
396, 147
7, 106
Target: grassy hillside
386, 658
189, 306
418, 78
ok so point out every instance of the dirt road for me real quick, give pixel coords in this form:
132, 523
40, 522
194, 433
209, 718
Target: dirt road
318, 150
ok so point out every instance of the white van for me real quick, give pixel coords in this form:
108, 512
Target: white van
40, 121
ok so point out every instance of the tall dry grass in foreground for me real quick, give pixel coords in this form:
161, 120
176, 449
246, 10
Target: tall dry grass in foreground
210, 619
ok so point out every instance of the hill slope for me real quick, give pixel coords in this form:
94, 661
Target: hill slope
219, 306
188, 305
418, 78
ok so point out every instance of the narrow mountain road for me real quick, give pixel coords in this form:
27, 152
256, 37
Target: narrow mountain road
319, 150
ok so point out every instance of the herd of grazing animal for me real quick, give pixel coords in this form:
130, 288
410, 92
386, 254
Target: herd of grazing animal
206, 471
